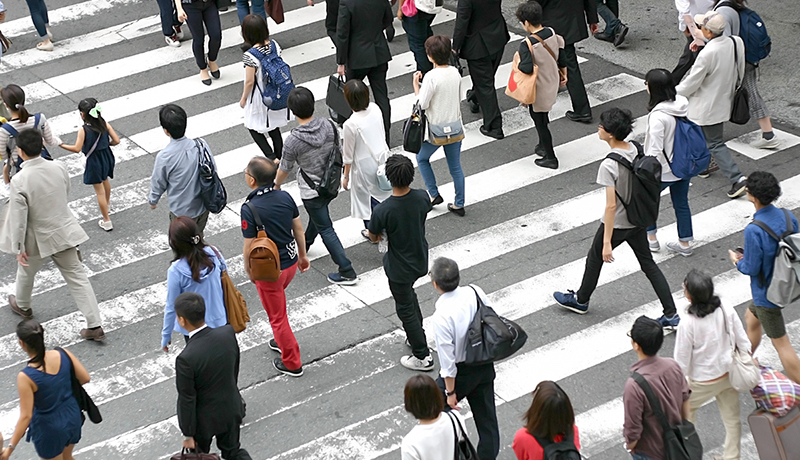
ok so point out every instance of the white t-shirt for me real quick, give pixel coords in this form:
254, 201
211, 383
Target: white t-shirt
609, 176
429, 6
432, 442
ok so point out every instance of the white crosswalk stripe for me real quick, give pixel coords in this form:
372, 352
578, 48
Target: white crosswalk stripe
524, 252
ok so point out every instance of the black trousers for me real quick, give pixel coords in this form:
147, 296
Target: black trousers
541, 120
198, 14
227, 443
685, 62
476, 383
575, 86
331, 18
407, 307
377, 80
637, 240
261, 141
482, 72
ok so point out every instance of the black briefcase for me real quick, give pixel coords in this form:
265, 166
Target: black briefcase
337, 105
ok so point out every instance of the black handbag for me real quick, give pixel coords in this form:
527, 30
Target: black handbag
740, 112
455, 61
338, 108
85, 402
186, 454
463, 449
491, 337
681, 442
414, 130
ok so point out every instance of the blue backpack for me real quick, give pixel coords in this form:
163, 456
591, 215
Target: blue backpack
277, 78
690, 156
753, 32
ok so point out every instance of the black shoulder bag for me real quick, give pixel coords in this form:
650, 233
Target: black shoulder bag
740, 111
85, 402
464, 450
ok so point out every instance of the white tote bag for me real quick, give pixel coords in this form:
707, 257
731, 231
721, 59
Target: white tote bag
743, 372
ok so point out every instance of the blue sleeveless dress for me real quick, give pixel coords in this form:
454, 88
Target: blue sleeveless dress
56, 421
99, 166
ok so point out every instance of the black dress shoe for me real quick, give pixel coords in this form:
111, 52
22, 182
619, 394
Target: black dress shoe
604, 36
579, 118
437, 200
474, 107
550, 163
539, 150
619, 36
206, 82
457, 211
215, 73
494, 133
390, 33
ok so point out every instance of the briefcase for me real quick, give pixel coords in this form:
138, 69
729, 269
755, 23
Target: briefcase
337, 104
187, 454
776, 438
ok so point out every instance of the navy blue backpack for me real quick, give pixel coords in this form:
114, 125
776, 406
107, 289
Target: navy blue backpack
757, 44
278, 81
690, 156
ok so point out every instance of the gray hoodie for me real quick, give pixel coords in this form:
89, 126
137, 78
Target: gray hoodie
660, 137
309, 146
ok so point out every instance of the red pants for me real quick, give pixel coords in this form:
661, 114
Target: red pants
273, 297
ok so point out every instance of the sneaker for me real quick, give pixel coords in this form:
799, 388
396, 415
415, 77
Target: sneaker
416, 364
569, 301
677, 247
277, 363
762, 143
738, 188
25, 314
172, 40
337, 278
669, 323
178, 32
712, 166
655, 246
107, 226
95, 333
273, 345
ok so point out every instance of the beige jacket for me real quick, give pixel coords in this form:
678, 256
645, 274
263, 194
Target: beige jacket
38, 220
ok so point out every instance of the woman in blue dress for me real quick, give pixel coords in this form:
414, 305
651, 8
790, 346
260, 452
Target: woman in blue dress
47, 408
95, 141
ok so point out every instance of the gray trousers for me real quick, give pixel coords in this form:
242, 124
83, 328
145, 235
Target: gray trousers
74, 274
719, 151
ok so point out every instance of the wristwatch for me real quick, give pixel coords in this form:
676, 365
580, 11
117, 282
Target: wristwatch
449, 393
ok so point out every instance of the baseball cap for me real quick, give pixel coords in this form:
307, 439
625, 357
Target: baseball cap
712, 21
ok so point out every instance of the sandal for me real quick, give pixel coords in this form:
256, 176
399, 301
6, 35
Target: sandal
365, 234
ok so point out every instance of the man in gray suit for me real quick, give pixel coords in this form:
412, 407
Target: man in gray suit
39, 225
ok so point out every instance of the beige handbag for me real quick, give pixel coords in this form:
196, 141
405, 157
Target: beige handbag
522, 86
743, 372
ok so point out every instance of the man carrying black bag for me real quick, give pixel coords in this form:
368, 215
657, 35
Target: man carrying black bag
455, 310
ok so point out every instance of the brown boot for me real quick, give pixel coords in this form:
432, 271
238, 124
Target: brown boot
12, 302
96, 334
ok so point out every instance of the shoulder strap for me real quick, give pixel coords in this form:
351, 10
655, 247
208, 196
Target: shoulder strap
11, 130
480, 302
256, 217
621, 160
455, 434
545, 46
769, 231
655, 404
36, 117
739, 80
789, 226
94, 146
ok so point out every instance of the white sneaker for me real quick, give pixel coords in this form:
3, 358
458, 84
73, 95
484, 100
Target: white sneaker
107, 226
678, 248
654, 245
762, 143
178, 32
416, 364
172, 41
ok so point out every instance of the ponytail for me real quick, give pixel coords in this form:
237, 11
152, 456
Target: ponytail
91, 114
14, 98
31, 334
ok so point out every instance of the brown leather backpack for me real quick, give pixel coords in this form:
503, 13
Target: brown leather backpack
264, 257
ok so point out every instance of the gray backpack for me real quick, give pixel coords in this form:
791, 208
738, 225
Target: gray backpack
785, 285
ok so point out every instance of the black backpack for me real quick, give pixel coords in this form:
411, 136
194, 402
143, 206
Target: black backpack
212, 191
644, 187
491, 337
564, 450
329, 184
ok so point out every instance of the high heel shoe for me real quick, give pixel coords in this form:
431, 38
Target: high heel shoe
214, 73
206, 81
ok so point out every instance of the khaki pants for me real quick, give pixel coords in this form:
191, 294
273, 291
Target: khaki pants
75, 276
728, 404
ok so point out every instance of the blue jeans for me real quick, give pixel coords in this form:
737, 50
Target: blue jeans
169, 17
679, 193
609, 11
243, 9
636, 456
39, 16
453, 154
319, 223
418, 29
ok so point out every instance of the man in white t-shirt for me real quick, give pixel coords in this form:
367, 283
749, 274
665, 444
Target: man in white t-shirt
615, 228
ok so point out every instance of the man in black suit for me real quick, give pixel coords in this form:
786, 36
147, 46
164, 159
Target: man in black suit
568, 18
480, 37
207, 371
362, 50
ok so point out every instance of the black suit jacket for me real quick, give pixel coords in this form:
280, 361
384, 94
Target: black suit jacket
569, 17
360, 41
207, 372
480, 29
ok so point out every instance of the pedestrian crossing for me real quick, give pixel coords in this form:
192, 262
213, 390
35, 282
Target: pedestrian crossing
525, 235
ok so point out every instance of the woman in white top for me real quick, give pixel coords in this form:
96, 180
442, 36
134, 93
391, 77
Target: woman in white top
440, 98
363, 150
258, 119
703, 350
665, 104
434, 437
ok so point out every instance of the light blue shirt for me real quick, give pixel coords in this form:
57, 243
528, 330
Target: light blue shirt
176, 173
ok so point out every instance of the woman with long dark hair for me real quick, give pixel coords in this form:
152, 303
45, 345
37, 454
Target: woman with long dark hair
550, 419
197, 267
703, 350
664, 105
47, 409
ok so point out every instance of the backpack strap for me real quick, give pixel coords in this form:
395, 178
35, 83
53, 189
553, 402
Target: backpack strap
256, 217
655, 404
11, 130
36, 118
769, 231
789, 226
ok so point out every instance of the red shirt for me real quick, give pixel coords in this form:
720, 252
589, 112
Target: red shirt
527, 448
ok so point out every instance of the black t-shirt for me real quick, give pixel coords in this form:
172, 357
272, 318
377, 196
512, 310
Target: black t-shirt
277, 210
403, 218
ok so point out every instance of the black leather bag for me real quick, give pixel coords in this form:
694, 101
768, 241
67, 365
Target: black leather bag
491, 337
414, 130
337, 104
85, 402
186, 454
681, 441
464, 450
740, 112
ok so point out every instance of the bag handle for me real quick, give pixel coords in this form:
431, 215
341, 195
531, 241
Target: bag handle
480, 302
543, 44
455, 435
655, 404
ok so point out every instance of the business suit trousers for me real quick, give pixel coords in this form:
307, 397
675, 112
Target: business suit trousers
74, 274
227, 443
476, 383
482, 72
575, 86
685, 62
377, 80
273, 298
331, 18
